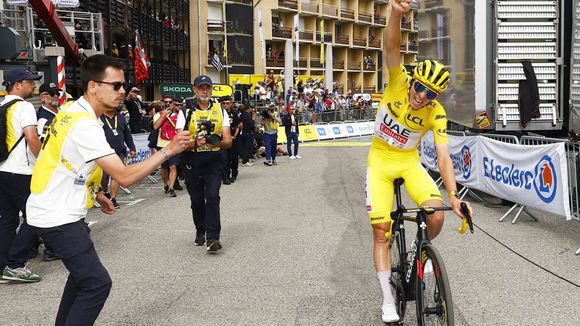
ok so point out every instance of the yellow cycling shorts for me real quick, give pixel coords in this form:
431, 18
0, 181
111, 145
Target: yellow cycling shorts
382, 170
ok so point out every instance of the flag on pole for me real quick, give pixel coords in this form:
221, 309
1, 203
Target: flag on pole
297, 36
321, 41
60, 71
141, 64
261, 30
216, 63
225, 31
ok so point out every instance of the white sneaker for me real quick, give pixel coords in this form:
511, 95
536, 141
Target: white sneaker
248, 164
298, 156
292, 157
389, 313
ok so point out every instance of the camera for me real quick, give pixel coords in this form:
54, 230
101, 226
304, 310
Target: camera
206, 129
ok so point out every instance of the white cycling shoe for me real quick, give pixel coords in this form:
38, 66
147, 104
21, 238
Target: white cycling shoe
390, 313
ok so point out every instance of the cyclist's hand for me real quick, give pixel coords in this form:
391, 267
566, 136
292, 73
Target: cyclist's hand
456, 206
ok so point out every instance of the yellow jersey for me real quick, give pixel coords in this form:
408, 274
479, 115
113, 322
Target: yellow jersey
398, 127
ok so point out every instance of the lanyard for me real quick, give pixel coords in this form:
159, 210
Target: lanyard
107, 120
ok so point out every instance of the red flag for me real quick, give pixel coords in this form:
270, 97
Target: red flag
142, 63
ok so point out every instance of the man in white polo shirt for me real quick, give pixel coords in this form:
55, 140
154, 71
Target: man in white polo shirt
66, 181
20, 141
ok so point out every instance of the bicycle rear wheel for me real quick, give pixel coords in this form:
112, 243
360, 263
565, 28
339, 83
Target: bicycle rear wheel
398, 272
434, 302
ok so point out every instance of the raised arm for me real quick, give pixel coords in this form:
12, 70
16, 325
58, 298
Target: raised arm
392, 41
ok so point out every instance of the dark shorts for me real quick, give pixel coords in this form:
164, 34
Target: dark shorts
173, 160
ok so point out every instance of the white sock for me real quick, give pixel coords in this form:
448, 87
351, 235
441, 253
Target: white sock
385, 281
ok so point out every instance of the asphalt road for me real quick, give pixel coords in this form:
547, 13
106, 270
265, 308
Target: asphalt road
298, 251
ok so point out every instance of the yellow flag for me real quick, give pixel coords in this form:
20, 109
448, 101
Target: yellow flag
321, 41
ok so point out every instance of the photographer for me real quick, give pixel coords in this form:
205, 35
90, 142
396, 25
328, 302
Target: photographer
232, 154
204, 162
166, 121
271, 123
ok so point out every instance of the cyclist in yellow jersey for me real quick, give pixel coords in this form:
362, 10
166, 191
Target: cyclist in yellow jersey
407, 110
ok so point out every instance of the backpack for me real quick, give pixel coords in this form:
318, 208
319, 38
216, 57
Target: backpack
4, 150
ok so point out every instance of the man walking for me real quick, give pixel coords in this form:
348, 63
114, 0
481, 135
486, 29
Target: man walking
232, 155
66, 182
19, 147
204, 162
135, 108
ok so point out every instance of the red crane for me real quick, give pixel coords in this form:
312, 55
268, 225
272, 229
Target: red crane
47, 13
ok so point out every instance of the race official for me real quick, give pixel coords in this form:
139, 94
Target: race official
204, 162
119, 137
21, 144
66, 182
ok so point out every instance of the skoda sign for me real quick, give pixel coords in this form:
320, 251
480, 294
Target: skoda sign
176, 89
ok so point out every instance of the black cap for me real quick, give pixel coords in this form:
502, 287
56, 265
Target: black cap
202, 80
19, 74
49, 88
225, 99
178, 99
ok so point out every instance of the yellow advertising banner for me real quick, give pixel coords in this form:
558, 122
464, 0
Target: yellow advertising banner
307, 133
220, 90
281, 135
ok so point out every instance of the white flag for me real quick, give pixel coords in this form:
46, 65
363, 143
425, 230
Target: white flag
297, 36
261, 31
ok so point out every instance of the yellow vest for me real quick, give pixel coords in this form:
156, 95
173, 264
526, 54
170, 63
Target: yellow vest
215, 115
51, 156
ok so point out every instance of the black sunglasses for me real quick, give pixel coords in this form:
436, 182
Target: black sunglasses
116, 85
420, 88
51, 93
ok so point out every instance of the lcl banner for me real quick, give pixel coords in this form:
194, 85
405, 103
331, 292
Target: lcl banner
534, 176
463, 152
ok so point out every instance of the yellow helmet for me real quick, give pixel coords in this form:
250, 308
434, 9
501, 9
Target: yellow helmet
432, 74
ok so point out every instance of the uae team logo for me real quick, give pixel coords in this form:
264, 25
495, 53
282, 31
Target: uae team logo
466, 155
546, 180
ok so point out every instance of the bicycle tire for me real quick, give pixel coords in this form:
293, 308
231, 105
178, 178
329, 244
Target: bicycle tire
398, 273
434, 303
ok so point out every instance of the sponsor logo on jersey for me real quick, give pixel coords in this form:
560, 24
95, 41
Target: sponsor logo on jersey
394, 130
440, 116
413, 119
391, 111
543, 178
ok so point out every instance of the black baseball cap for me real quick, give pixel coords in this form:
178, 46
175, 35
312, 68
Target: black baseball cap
19, 74
49, 88
225, 99
202, 80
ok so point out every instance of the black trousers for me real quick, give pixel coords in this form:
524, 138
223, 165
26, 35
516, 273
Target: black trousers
232, 161
203, 178
246, 147
14, 192
88, 284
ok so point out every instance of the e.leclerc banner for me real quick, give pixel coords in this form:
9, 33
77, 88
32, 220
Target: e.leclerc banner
534, 176
463, 152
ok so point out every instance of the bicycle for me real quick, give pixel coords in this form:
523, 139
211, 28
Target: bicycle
430, 286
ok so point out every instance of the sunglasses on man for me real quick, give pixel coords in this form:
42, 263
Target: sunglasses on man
116, 85
420, 88
51, 93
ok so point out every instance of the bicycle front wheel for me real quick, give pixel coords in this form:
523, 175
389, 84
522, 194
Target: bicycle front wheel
434, 303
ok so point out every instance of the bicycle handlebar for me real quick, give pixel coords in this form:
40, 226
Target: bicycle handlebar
466, 220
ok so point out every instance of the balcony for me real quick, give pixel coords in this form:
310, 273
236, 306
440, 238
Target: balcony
302, 63
359, 41
282, 32
342, 39
273, 63
338, 64
356, 88
329, 10
310, 7
222, 58
354, 66
369, 89
413, 46
375, 43
365, 17
292, 5
405, 23
347, 14
316, 64
306, 35
244, 2
327, 37
369, 66
381, 20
